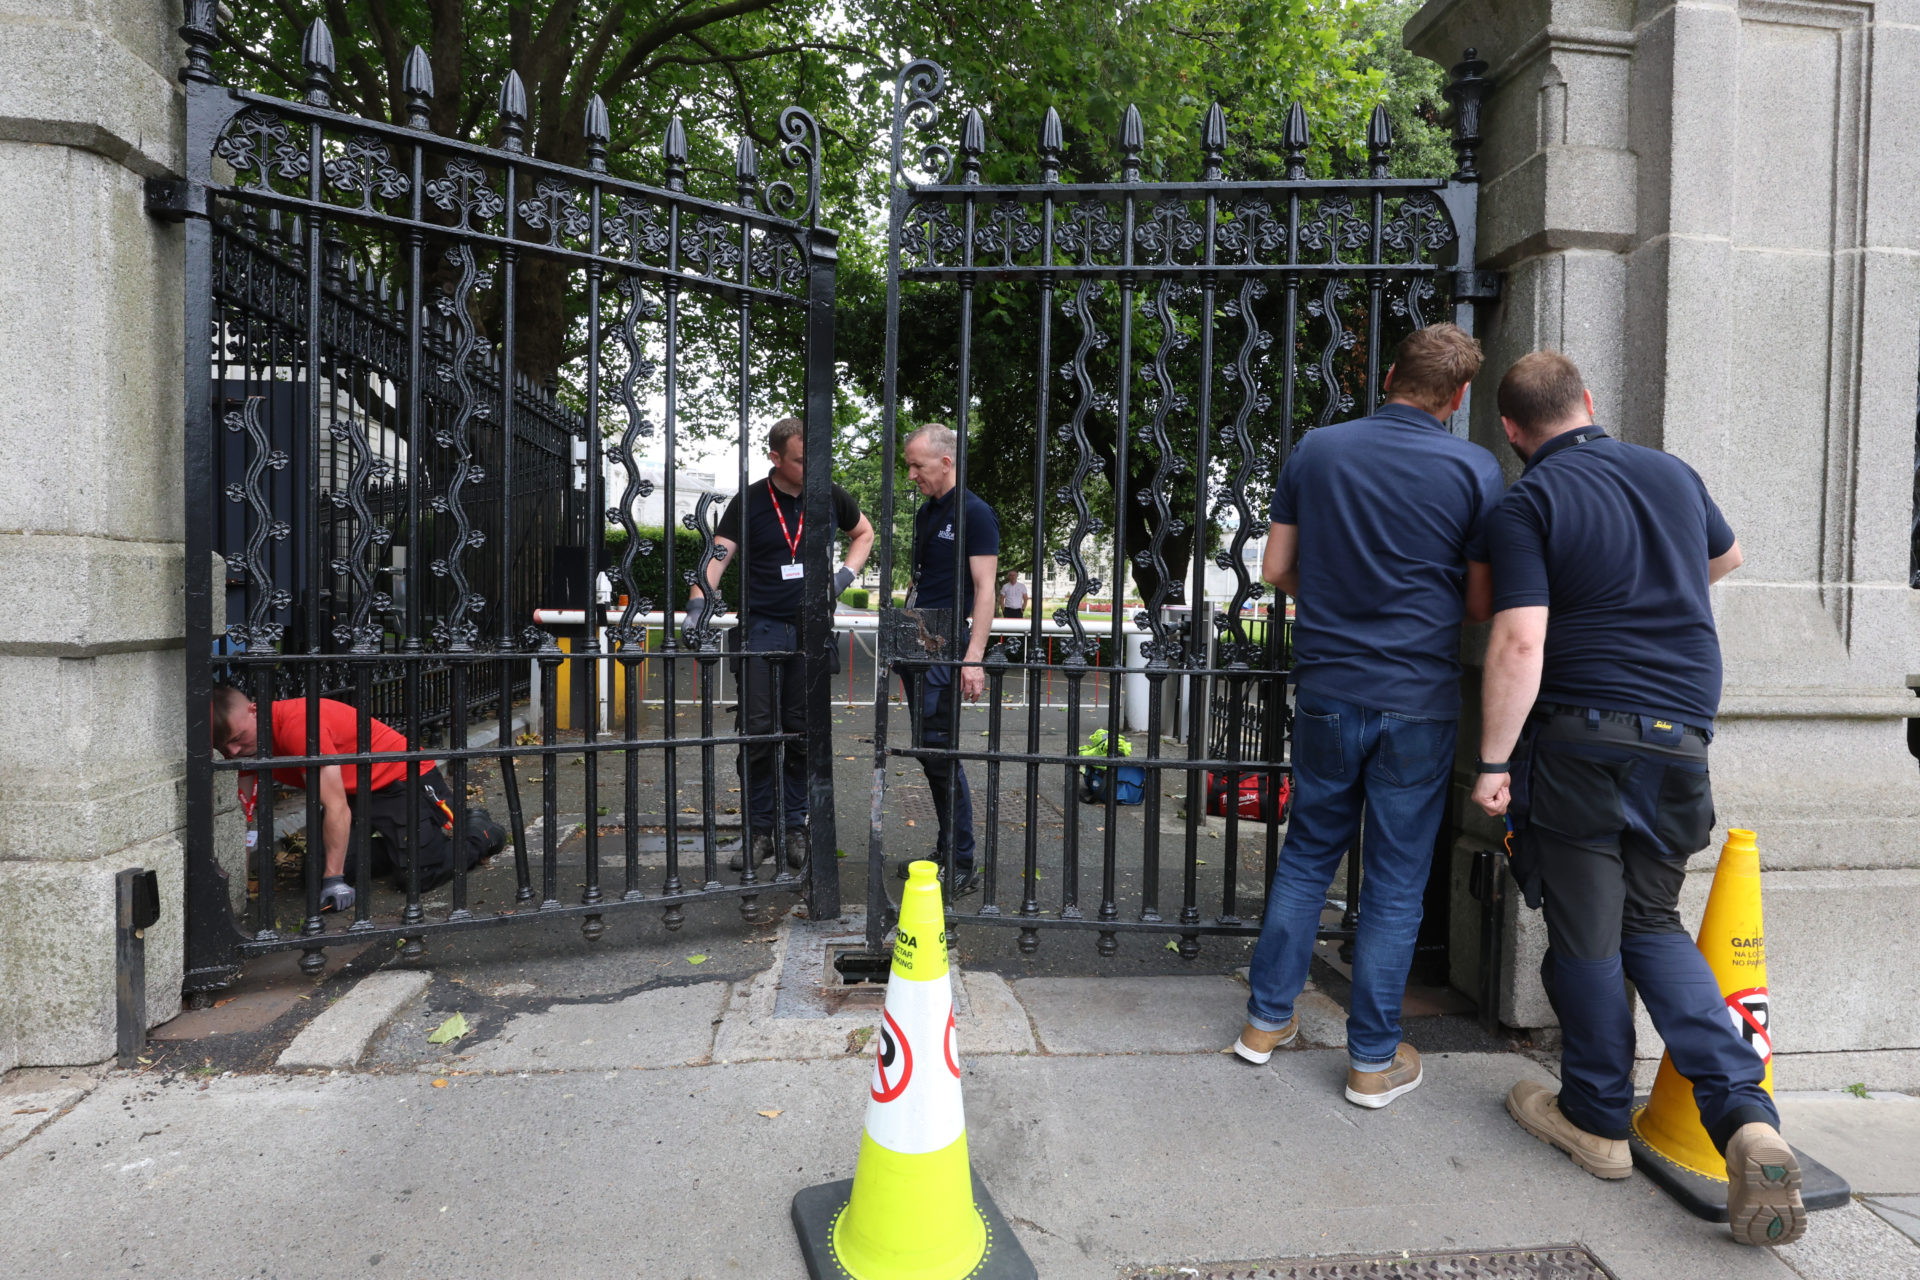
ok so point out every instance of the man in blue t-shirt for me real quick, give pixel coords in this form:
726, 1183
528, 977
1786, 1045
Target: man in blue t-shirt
1377, 528
947, 530
1602, 682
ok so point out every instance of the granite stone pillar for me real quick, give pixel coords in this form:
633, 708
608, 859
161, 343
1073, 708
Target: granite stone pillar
91, 619
1714, 208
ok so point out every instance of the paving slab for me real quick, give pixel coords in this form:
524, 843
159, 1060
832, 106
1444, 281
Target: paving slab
338, 1037
1852, 1243
1100, 1163
659, 1027
1133, 1015
24, 1114
1902, 1213
1873, 1142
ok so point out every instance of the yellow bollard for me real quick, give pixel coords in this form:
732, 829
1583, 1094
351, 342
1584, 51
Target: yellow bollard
913, 1210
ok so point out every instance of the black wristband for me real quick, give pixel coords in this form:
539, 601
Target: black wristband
1496, 766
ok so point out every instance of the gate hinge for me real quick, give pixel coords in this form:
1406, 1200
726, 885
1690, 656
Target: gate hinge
1475, 285
174, 199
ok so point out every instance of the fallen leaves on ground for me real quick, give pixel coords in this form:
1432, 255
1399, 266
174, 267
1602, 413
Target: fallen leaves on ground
701, 959
770, 1112
439, 1084
857, 1039
450, 1030
1172, 945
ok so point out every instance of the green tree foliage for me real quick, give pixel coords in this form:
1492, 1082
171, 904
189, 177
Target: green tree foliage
727, 67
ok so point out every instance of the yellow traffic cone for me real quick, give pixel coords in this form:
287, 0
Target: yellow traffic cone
1668, 1141
1733, 940
913, 1210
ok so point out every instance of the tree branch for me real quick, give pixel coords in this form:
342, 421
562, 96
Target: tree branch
772, 50
371, 90
642, 48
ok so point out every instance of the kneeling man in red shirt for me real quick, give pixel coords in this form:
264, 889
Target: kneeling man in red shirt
235, 735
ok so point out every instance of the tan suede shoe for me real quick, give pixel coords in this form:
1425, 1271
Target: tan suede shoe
1256, 1046
1537, 1109
1375, 1089
1763, 1187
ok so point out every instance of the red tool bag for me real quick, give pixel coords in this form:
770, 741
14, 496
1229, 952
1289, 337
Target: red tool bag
1261, 798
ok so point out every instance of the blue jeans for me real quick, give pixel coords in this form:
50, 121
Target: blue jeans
1345, 755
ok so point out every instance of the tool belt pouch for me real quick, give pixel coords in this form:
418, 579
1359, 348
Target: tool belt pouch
1523, 858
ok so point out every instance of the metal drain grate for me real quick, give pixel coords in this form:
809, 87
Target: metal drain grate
1555, 1262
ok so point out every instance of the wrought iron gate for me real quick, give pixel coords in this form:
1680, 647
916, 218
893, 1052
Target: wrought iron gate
1208, 323
352, 389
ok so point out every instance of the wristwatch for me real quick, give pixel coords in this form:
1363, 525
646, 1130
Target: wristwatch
1494, 766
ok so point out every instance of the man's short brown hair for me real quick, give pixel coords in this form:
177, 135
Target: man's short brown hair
1542, 388
783, 431
225, 708
1433, 363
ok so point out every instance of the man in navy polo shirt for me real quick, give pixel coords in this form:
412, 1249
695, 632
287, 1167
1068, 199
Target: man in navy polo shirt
1377, 528
1602, 682
946, 529
775, 522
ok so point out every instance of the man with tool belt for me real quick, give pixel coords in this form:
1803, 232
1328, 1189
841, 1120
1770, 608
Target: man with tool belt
235, 728
942, 523
1602, 683
773, 690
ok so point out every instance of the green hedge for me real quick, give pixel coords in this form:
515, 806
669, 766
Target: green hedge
855, 597
650, 566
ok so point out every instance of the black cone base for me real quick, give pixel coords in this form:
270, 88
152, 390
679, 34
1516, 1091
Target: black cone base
1820, 1187
816, 1208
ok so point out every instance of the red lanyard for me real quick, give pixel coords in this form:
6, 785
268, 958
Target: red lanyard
793, 539
249, 795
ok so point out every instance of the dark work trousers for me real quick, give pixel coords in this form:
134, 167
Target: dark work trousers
931, 699
387, 815
765, 710
1608, 807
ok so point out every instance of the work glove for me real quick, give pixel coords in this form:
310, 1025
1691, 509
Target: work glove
842, 579
696, 620
336, 894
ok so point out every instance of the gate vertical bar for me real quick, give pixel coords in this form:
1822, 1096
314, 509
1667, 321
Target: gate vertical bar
823, 866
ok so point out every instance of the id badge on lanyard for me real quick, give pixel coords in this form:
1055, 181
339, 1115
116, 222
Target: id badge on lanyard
792, 571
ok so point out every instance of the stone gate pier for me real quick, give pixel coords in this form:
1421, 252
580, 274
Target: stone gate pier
1713, 206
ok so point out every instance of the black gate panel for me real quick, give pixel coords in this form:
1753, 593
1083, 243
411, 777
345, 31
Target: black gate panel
1185, 332
389, 491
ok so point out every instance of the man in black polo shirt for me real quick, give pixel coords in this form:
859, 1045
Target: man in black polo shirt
1377, 527
941, 526
774, 592
1602, 683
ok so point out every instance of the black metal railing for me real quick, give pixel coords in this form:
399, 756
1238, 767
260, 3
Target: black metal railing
391, 491
1208, 322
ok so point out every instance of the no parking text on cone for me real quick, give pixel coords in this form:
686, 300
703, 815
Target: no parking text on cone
1669, 1143
913, 1210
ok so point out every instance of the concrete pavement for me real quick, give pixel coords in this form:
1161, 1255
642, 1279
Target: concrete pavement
586, 1137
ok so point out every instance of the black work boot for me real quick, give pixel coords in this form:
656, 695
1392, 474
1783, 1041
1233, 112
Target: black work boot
762, 846
796, 847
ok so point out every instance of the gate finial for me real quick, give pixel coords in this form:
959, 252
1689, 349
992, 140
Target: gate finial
1133, 138
598, 128
1379, 141
513, 113
973, 142
1213, 141
1051, 145
416, 81
1469, 88
202, 36
746, 172
316, 54
675, 154
1294, 138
